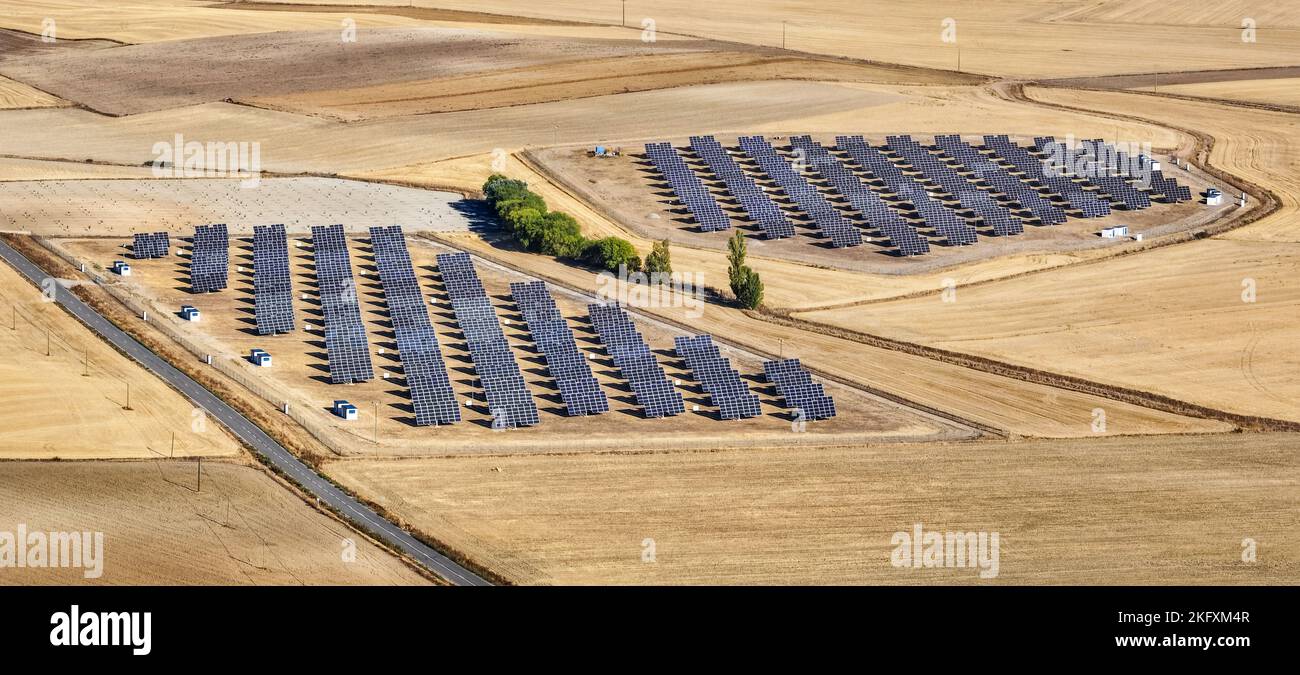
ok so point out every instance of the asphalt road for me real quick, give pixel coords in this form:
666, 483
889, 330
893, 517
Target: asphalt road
360, 515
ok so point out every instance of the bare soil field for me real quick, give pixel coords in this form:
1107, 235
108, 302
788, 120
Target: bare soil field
587, 78
72, 404
160, 527
122, 207
1115, 511
301, 368
128, 79
1020, 38
631, 189
1271, 91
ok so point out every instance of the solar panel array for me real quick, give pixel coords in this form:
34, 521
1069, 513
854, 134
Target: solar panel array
509, 401
1000, 180
909, 192
952, 227
153, 245
554, 339
432, 397
714, 372
272, 289
210, 260
651, 387
757, 205
1087, 203
688, 187
824, 216
958, 187
346, 345
797, 389
870, 207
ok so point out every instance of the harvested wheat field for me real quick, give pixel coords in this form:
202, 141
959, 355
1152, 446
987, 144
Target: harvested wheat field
72, 404
1111, 403
1021, 38
1114, 511
162, 527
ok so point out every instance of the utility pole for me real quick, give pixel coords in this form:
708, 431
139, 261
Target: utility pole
47, 342
782, 35
376, 404
15, 326
200, 476
624, 24
86, 363
128, 396
959, 59
173, 450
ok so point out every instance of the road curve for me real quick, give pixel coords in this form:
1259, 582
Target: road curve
358, 514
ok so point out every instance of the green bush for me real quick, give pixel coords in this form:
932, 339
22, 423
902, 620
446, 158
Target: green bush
745, 284
660, 260
527, 219
610, 253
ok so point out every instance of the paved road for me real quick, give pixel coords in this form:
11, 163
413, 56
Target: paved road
360, 515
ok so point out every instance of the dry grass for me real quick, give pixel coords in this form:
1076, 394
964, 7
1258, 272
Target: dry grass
1022, 38
1280, 91
51, 408
18, 95
1170, 511
243, 528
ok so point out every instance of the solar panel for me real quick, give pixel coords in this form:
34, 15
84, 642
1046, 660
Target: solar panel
509, 401
210, 260
985, 168
153, 245
825, 218
688, 187
432, 397
862, 198
272, 289
634, 360
554, 339
714, 373
798, 391
757, 205
345, 334
946, 223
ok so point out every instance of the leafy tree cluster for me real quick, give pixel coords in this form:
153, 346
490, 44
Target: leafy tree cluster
538, 229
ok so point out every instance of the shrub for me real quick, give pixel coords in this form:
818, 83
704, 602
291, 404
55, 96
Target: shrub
526, 217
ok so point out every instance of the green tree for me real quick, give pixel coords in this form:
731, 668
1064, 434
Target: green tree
612, 252
562, 236
749, 289
660, 259
736, 252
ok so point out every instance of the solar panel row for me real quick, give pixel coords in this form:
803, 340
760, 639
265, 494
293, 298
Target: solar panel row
509, 401
688, 187
757, 205
797, 389
825, 218
554, 339
945, 221
1087, 203
633, 358
957, 186
982, 167
870, 207
153, 245
432, 397
346, 345
210, 260
714, 372
272, 289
